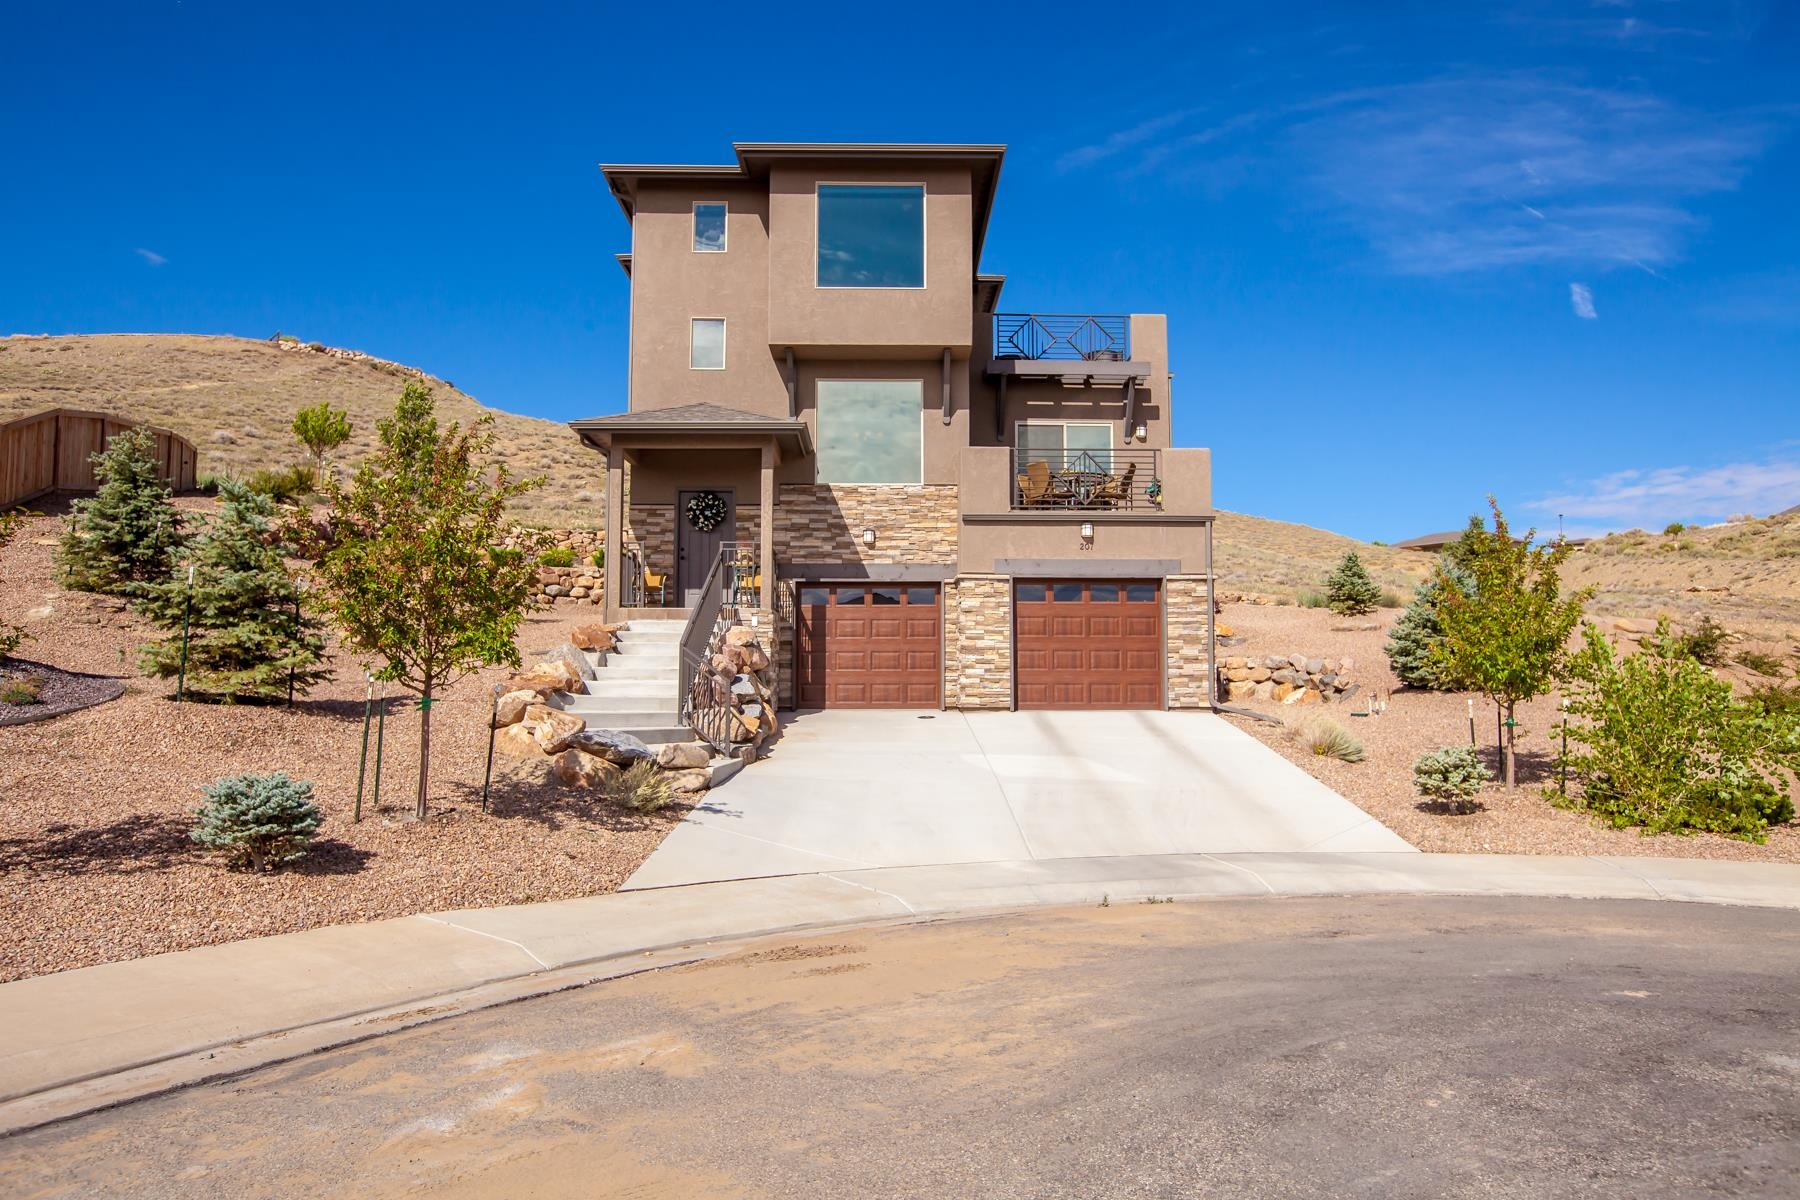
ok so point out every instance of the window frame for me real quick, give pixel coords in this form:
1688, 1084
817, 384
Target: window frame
818, 422
724, 333
724, 229
924, 235
1019, 442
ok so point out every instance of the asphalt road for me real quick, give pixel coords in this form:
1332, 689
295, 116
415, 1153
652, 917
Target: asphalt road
1274, 1048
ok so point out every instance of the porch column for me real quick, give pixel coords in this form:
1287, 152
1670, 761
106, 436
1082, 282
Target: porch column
766, 552
615, 534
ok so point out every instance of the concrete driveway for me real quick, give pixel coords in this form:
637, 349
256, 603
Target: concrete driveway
843, 790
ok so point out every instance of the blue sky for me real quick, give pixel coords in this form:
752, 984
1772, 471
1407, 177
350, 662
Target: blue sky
1410, 253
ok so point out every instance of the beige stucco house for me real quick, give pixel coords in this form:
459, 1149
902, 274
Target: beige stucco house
932, 501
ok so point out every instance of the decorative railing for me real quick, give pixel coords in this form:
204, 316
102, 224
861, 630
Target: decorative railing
1087, 480
705, 704
631, 577
1082, 337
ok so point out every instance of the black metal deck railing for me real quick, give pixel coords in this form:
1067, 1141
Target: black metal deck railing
1087, 480
1080, 337
705, 703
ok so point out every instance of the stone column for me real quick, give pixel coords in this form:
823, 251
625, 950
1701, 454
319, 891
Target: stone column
766, 552
611, 593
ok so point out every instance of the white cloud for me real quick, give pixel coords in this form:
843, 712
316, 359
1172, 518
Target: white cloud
151, 257
1581, 299
1123, 140
1650, 499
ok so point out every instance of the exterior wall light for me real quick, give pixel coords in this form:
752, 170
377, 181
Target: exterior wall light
868, 537
1142, 433
1087, 531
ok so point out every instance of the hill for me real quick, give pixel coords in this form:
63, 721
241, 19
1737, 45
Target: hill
236, 398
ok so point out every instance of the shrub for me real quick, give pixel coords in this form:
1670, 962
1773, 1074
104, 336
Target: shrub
557, 556
1659, 742
1762, 664
1673, 528
130, 531
1415, 635
1350, 592
639, 788
1310, 599
1705, 644
10, 635
1777, 699
1451, 776
281, 483
257, 821
24, 689
600, 559
1392, 599
1326, 738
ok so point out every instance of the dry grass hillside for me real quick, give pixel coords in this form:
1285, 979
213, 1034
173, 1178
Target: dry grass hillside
1746, 575
236, 398
1276, 558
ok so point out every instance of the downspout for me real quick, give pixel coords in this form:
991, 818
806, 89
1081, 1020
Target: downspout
946, 385
793, 387
1212, 646
1130, 407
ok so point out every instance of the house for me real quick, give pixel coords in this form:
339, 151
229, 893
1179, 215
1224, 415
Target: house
833, 422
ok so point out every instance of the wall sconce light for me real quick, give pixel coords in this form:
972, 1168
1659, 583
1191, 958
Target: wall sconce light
1142, 433
1087, 531
868, 537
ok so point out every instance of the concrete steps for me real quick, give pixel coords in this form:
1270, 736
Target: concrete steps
634, 685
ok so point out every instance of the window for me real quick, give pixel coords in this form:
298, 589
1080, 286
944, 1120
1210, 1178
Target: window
1140, 593
706, 344
813, 596
884, 595
1066, 446
1103, 593
921, 595
871, 430
871, 235
1032, 593
709, 227
1066, 593
849, 595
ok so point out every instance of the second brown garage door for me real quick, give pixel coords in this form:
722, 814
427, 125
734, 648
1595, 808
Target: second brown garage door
1088, 644
868, 646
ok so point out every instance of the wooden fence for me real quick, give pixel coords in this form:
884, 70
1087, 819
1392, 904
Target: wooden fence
48, 452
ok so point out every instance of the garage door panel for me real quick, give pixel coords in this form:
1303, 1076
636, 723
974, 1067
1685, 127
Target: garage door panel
1088, 645
869, 647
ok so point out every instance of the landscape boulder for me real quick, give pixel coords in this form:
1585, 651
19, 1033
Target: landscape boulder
510, 708
594, 637
516, 741
612, 745
572, 768
552, 727
687, 783
683, 756
576, 661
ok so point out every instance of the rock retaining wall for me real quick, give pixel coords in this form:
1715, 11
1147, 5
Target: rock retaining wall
1288, 679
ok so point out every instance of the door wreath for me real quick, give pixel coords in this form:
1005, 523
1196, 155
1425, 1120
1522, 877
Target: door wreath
706, 511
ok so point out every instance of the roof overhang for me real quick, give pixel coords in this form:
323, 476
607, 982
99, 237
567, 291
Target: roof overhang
1073, 372
648, 430
755, 158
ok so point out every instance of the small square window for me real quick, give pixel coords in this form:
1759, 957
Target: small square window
1031, 593
709, 228
1067, 593
849, 596
811, 596
1104, 593
919, 596
1140, 593
884, 595
706, 344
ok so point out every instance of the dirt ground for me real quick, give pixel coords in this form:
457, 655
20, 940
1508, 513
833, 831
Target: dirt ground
1416, 722
95, 806
1396, 1047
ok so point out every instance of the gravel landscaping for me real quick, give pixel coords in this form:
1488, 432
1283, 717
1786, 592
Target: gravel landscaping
95, 806
56, 691
1416, 722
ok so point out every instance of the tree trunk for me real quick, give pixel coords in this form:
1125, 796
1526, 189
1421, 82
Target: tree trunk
424, 745
1510, 751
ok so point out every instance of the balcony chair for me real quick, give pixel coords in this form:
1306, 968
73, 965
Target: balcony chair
658, 583
1116, 489
1037, 487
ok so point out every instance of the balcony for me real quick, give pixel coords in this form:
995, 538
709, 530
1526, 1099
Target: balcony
1087, 481
1066, 337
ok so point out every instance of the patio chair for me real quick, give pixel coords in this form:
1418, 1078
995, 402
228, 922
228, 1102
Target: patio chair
1116, 489
1038, 487
658, 583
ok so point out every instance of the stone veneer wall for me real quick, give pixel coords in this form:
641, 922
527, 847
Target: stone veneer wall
1186, 618
978, 667
652, 526
823, 523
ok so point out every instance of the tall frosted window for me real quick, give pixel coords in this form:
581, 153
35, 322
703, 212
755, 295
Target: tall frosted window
871, 430
706, 344
709, 228
871, 235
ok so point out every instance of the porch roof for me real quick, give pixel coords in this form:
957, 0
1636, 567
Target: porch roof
696, 423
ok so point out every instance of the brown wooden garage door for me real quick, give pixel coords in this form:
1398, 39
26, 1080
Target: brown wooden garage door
1088, 644
869, 646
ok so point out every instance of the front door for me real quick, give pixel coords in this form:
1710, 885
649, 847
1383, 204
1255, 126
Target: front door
700, 528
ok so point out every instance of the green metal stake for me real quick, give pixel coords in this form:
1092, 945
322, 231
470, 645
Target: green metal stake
291, 649
488, 778
1565, 747
187, 617
380, 729
362, 763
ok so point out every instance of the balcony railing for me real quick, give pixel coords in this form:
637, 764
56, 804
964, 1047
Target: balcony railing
1079, 337
1086, 480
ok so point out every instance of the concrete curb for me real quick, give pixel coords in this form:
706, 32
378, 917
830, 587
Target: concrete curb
81, 1040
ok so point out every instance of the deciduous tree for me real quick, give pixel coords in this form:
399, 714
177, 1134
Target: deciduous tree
321, 429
